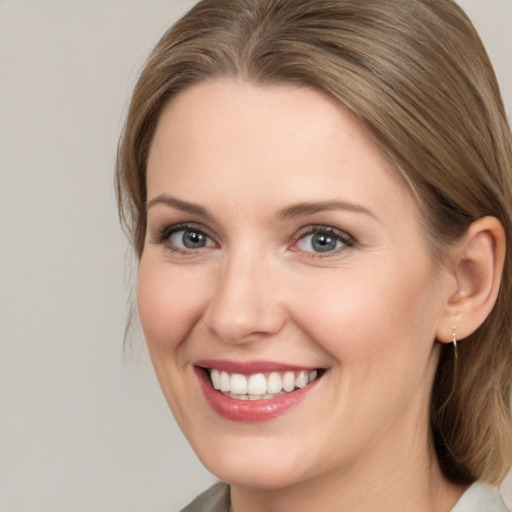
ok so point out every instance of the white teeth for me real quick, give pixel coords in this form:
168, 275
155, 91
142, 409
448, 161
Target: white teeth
259, 386
238, 384
302, 379
225, 381
274, 383
215, 376
289, 381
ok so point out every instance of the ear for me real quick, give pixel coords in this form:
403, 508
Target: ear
477, 266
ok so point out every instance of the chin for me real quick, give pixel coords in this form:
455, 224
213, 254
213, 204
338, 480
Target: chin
257, 475
262, 465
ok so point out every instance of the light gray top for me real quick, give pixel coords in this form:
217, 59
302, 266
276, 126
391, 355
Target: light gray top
215, 499
478, 498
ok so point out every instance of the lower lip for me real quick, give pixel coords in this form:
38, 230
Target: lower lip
250, 411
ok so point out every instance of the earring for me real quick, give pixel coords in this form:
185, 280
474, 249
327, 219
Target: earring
454, 341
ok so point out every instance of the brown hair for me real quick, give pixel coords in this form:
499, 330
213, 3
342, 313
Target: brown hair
416, 73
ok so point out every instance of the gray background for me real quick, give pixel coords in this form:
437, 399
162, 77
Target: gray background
80, 429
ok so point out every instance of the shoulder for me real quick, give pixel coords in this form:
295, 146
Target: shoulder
480, 498
215, 499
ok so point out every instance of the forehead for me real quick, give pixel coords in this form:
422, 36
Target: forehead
237, 139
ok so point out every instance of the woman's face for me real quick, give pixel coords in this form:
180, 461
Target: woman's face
280, 250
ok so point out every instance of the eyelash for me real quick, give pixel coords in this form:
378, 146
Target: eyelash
347, 241
164, 235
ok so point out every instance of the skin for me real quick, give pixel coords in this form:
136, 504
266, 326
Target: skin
368, 312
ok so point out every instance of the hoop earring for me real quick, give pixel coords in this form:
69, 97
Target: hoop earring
454, 342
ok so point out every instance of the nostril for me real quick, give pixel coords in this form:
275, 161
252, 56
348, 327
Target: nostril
249, 325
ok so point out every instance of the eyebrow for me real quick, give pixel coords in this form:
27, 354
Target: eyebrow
178, 204
290, 212
310, 208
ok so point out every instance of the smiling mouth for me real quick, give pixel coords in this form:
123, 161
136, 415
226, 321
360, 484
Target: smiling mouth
261, 386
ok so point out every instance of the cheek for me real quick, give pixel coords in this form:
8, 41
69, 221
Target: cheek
378, 311
170, 302
378, 328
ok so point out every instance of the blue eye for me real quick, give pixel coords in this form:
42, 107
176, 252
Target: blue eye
183, 237
190, 239
323, 241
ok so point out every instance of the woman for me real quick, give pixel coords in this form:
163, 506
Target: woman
319, 194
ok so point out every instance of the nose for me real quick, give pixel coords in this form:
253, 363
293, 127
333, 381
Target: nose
245, 304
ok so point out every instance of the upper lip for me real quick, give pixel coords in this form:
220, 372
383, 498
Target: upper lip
250, 367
